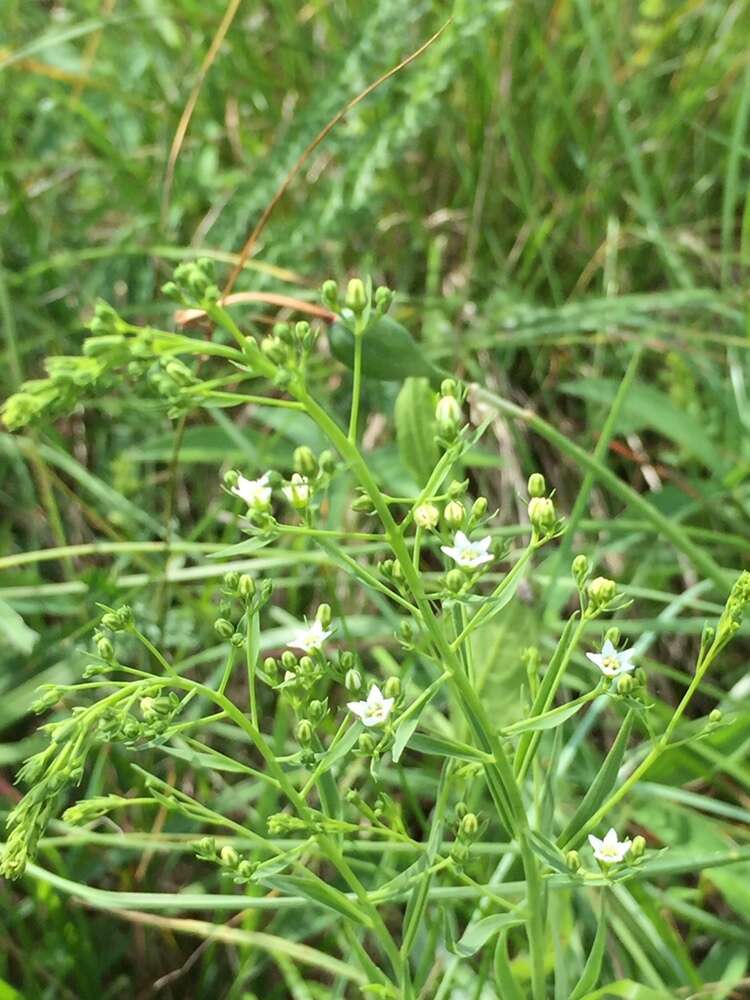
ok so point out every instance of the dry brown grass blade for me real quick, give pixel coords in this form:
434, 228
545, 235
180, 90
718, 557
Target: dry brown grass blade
253, 238
184, 316
187, 114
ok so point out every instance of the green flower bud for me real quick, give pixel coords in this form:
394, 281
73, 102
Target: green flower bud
246, 587
537, 486
454, 514
426, 515
112, 621
580, 569
625, 684
206, 848
356, 296
366, 744
454, 581
323, 614
448, 416
301, 331
715, 715
306, 665
283, 332
637, 848
457, 488
613, 634
274, 349
231, 581
448, 387
363, 505
288, 660
392, 687
639, 676
304, 732
237, 640
304, 461
542, 515
246, 869
347, 659
601, 592
270, 667
317, 710
383, 299
353, 681
231, 478
406, 630
573, 861
329, 295
478, 509
223, 628
469, 826
461, 809
327, 462
229, 856
104, 647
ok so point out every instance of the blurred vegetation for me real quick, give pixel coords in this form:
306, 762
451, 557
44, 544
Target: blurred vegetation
546, 186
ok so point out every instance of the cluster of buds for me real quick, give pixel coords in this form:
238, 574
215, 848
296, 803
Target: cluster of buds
157, 713
53, 770
359, 300
252, 597
468, 828
289, 345
88, 810
448, 414
119, 620
229, 860
169, 377
542, 515
193, 283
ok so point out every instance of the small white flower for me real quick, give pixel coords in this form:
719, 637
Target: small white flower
610, 850
466, 553
611, 662
311, 637
374, 711
298, 491
255, 492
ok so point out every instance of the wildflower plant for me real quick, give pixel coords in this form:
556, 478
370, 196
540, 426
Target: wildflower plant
466, 861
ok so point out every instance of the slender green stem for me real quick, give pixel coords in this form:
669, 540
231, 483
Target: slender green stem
356, 384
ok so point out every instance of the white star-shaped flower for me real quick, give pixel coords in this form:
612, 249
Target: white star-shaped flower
611, 662
374, 711
255, 492
466, 553
311, 637
610, 850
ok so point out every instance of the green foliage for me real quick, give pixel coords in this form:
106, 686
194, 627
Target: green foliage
547, 186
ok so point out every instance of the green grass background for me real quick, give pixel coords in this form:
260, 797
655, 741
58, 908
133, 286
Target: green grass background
549, 185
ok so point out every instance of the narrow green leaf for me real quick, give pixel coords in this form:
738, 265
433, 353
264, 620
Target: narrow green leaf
442, 747
14, 630
505, 981
547, 720
593, 967
318, 892
478, 934
414, 415
402, 737
600, 788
